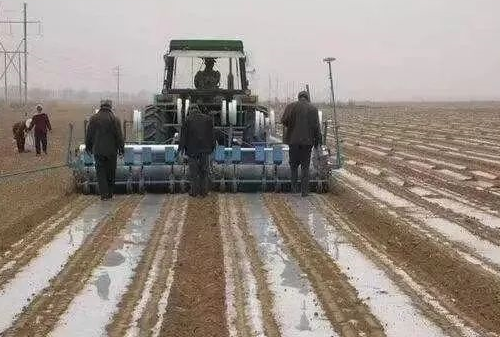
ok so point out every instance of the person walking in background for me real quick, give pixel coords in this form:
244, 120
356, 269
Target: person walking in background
41, 123
19, 133
198, 142
302, 133
104, 139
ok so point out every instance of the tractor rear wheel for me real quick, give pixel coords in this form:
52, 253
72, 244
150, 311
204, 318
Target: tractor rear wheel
154, 129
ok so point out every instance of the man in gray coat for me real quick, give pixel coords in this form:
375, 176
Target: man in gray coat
104, 139
198, 142
302, 133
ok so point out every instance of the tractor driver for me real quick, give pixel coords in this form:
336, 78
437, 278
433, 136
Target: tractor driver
208, 78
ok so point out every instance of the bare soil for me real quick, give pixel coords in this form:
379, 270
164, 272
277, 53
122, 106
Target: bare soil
466, 288
345, 310
197, 301
40, 317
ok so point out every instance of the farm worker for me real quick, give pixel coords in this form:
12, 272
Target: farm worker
40, 121
104, 139
197, 142
18, 130
208, 78
302, 133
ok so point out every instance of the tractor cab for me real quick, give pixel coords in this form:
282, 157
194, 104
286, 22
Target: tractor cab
205, 71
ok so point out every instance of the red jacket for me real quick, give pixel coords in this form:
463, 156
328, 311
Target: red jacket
41, 123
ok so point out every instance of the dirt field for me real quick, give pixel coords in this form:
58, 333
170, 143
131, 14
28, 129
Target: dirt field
406, 244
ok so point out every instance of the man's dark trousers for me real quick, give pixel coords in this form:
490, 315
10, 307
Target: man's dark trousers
198, 171
41, 141
105, 167
300, 155
20, 143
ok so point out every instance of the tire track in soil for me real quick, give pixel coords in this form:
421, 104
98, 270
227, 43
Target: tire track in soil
345, 310
264, 294
14, 232
197, 301
462, 287
26, 249
241, 245
239, 322
41, 316
142, 296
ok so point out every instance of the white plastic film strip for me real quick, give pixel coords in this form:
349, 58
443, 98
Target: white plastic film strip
272, 120
137, 129
257, 123
179, 111
223, 113
186, 107
233, 108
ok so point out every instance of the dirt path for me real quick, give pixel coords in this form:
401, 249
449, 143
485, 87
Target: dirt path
196, 305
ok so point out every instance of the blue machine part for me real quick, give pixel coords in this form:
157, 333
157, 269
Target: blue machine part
146, 156
128, 157
158, 168
260, 154
88, 159
236, 154
220, 154
277, 154
170, 155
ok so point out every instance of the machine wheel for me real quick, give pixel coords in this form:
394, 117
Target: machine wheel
277, 187
322, 187
142, 186
128, 187
86, 188
153, 124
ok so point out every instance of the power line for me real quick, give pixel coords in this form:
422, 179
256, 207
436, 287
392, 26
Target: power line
11, 55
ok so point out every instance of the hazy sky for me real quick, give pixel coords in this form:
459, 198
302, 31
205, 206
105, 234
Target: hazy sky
386, 49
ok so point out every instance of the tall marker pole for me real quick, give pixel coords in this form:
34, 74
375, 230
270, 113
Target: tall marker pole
329, 60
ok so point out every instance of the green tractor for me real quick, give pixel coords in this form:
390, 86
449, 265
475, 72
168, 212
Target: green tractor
248, 157
213, 75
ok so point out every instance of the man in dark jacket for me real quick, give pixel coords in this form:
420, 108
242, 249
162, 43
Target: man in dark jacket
41, 123
104, 140
18, 130
198, 142
302, 133
208, 78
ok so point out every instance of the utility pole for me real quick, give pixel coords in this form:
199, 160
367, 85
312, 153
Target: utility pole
25, 53
10, 55
329, 60
269, 90
117, 74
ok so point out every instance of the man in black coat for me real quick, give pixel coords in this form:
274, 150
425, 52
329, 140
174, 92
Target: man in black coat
198, 142
104, 139
302, 133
